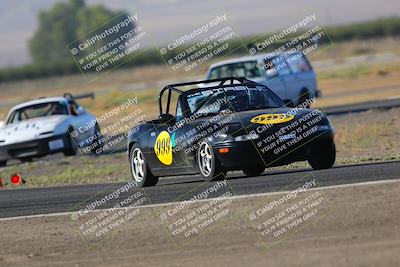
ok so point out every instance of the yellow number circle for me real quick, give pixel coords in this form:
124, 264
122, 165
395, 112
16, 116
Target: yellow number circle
163, 148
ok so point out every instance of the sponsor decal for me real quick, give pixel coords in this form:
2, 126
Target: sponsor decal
173, 142
163, 148
272, 118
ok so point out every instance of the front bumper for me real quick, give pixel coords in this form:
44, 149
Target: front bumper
34, 148
247, 154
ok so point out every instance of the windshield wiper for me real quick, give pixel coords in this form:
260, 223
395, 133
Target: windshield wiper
200, 115
258, 107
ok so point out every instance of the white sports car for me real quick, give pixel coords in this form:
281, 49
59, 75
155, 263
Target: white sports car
45, 126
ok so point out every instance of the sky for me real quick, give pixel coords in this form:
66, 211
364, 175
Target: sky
164, 20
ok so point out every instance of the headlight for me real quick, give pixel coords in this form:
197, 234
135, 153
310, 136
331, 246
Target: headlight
220, 137
246, 137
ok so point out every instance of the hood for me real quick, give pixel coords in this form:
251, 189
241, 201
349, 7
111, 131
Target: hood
31, 129
240, 123
245, 117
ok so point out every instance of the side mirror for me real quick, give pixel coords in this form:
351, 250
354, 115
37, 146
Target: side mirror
80, 110
289, 103
167, 118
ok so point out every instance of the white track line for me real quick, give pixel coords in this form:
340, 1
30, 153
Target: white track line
203, 200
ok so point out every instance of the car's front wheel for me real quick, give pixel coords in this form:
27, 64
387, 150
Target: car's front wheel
323, 157
209, 166
26, 159
71, 147
3, 163
140, 171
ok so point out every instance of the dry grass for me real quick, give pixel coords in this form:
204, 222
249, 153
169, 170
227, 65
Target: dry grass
371, 134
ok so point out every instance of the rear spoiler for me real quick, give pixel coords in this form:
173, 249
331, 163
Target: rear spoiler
79, 96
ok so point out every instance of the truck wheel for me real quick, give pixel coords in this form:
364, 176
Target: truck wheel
304, 97
71, 148
323, 158
254, 171
209, 166
140, 170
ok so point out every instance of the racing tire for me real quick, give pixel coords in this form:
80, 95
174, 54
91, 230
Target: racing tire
209, 166
27, 159
140, 171
323, 158
254, 171
3, 163
71, 148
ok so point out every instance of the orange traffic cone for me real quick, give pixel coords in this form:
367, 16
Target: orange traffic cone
16, 179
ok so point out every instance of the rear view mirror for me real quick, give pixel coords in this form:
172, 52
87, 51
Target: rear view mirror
167, 118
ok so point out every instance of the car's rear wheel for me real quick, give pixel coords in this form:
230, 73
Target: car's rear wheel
140, 171
254, 171
209, 166
71, 147
323, 157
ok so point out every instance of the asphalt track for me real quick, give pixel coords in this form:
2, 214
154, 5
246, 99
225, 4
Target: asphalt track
22, 202
361, 107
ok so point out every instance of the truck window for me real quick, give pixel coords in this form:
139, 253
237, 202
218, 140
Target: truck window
298, 63
280, 65
248, 69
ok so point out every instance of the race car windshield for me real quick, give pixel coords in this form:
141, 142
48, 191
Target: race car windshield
38, 110
238, 98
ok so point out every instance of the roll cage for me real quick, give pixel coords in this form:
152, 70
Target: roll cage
174, 88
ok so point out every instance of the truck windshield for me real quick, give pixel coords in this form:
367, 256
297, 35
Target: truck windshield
249, 69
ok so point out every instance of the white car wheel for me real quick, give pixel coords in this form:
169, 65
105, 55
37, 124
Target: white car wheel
141, 173
137, 165
208, 164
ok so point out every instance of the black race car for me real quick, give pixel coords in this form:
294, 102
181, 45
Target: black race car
227, 124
